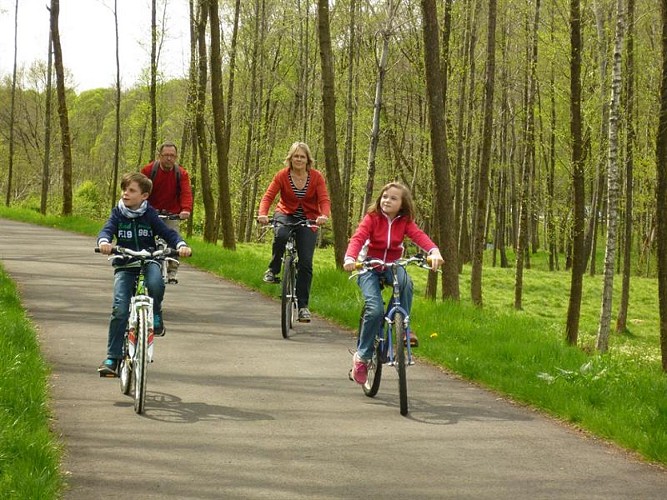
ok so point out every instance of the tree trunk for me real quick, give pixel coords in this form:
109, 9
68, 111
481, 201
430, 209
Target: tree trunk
12, 107
65, 142
436, 107
46, 176
153, 86
578, 250
661, 194
479, 239
612, 187
622, 320
116, 151
224, 215
338, 203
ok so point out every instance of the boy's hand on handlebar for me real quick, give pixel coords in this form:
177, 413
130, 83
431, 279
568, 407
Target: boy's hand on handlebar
263, 219
184, 251
105, 248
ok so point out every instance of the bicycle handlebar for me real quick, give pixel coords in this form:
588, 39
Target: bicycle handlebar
167, 215
368, 264
141, 254
305, 223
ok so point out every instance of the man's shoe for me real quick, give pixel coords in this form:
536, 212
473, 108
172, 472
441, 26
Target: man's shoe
359, 371
304, 315
269, 277
414, 341
108, 368
172, 280
158, 326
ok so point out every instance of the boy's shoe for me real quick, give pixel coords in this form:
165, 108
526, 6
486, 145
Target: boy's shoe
269, 277
359, 371
158, 326
304, 315
108, 368
171, 279
414, 341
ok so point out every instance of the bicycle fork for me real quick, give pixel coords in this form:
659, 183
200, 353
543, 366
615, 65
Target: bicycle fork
388, 350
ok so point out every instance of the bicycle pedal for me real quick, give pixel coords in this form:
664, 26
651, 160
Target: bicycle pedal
172, 281
108, 375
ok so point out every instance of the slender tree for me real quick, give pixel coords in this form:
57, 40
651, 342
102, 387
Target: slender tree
661, 193
612, 185
47, 129
224, 213
116, 152
65, 141
338, 203
479, 238
622, 319
436, 110
12, 109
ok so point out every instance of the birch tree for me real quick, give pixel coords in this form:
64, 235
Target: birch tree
612, 185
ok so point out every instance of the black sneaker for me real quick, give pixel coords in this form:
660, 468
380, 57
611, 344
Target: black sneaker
158, 326
269, 277
108, 368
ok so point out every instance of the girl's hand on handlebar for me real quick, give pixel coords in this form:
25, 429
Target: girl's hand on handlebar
435, 259
349, 265
106, 248
263, 219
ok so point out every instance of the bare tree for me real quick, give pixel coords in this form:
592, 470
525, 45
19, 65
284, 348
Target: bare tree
612, 185
65, 141
116, 152
479, 235
153, 85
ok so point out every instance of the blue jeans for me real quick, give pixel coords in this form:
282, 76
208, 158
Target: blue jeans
305, 239
373, 319
124, 281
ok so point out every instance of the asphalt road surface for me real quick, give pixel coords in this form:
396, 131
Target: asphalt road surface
235, 411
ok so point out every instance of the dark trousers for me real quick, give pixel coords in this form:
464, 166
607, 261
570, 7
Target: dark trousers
305, 238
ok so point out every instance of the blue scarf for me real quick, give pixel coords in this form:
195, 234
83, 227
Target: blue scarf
132, 214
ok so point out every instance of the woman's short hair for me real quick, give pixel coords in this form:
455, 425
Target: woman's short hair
304, 147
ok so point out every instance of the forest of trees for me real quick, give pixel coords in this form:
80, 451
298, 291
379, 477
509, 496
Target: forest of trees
519, 125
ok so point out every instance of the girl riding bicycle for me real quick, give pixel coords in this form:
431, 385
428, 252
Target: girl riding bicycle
380, 234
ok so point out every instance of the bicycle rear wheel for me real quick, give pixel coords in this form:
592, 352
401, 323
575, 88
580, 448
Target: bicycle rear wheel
400, 355
288, 300
141, 363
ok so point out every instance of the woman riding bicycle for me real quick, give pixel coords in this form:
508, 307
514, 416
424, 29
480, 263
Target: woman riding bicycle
381, 233
303, 196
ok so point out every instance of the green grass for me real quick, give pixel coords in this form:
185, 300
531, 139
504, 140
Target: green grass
29, 451
620, 396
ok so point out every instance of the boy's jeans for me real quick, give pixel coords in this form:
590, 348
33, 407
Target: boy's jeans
374, 308
123, 289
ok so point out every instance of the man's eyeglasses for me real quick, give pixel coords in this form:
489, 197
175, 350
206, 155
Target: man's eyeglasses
167, 155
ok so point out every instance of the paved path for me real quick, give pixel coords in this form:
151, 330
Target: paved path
235, 411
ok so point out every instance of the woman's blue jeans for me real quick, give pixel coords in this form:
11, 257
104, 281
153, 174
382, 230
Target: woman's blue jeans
124, 281
373, 319
305, 239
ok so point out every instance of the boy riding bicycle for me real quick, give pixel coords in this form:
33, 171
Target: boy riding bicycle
134, 224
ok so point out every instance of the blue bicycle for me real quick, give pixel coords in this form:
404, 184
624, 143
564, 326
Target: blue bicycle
391, 347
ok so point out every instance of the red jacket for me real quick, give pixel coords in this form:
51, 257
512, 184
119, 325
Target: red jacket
384, 238
315, 203
164, 194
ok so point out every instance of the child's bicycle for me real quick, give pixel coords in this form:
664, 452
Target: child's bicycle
138, 343
162, 244
289, 304
391, 346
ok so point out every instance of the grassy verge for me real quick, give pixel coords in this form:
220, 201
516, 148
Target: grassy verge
620, 396
29, 452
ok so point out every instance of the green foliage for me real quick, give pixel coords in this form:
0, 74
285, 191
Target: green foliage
89, 202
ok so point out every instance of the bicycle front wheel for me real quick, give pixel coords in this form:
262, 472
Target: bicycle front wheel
400, 363
125, 369
288, 302
141, 363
